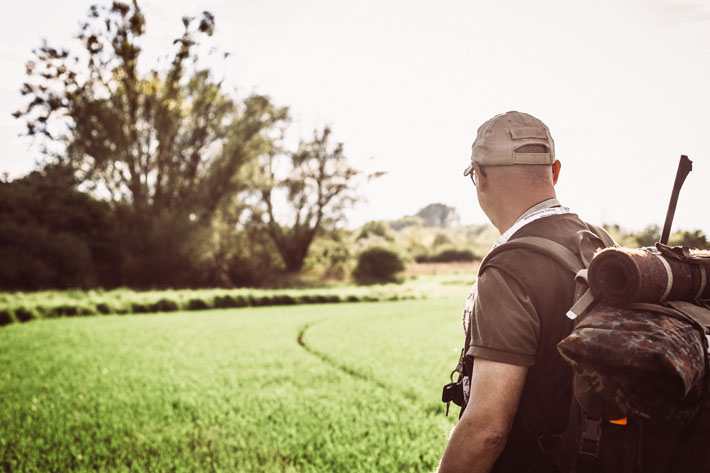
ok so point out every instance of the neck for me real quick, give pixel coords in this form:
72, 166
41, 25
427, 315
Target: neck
509, 212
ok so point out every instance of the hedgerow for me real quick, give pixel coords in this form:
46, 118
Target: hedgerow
26, 306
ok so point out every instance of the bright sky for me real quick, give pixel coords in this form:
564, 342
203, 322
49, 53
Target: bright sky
622, 84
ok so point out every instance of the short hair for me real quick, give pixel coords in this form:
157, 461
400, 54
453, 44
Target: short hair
526, 174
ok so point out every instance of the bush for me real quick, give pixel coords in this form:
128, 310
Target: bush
228, 302
103, 308
164, 305
139, 308
224, 302
24, 315
307, 299
263, 300
377, 264
5, 317
441, 239
240, 301
65, 310
329, 257
284, 299
447, 256
197, 304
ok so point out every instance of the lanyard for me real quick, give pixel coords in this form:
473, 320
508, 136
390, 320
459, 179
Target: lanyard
537, 215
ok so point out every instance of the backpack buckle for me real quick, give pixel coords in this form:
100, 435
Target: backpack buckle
590, 441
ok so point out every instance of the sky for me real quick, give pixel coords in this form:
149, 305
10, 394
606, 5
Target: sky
622, 85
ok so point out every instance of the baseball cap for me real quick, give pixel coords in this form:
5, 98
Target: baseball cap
504, 140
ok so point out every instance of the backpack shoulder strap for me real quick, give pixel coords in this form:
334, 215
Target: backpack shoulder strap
544, 246
583, 298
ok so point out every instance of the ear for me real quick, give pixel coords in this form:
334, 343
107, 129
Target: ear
556, 166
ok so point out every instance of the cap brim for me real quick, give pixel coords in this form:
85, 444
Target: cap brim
468, 170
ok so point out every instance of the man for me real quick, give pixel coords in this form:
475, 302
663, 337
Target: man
520, 387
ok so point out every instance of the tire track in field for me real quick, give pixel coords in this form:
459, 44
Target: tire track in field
301, 339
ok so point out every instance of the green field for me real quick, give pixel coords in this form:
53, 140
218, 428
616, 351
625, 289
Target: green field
343, 387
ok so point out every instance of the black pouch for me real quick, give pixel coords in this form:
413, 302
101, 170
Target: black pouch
455, 390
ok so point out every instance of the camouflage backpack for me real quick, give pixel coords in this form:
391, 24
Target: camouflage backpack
640, 398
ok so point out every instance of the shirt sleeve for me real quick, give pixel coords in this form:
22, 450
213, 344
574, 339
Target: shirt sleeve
505, 326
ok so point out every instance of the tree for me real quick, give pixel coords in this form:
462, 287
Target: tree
406, 221
438, 215
53, 236
648, 236
694, 239
165, 147
318, 185
376, 228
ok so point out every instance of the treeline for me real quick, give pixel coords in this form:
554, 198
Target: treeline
52, 236
652, 233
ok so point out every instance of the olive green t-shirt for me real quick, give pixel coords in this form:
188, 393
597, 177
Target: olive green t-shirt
523, 296
519, 317
506, 326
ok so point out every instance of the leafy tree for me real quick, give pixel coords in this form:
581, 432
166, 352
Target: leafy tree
53, 236
236, 251
408, 221
329, 256
376, 228
438, 215
317, 186
165, 147
441, 239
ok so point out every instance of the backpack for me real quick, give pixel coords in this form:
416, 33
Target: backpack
640, 383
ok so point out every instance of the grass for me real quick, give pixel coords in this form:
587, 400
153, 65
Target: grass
309, 388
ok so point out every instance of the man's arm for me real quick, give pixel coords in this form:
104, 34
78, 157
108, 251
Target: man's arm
482, 431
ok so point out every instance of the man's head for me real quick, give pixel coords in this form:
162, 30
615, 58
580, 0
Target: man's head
513, 164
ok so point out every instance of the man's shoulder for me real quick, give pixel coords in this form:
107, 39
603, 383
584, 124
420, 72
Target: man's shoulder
561, 229
555, 227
